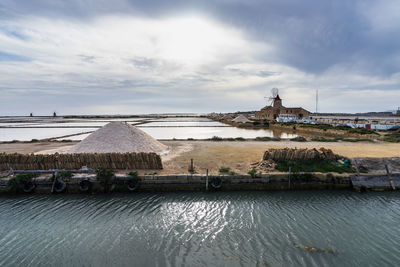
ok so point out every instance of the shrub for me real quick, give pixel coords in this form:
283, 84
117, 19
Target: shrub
252, 172
133, 174
65, 175
216, 138
299, 139
224, 170
323, 139
267, 138
17, 182
312, 165
105, 176
240, 139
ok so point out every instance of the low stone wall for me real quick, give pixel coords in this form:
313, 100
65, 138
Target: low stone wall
135, 161
183, 182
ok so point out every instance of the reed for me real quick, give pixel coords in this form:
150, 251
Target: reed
132, 161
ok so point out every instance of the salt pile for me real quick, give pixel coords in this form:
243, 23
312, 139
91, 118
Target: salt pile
241, 119
118, 137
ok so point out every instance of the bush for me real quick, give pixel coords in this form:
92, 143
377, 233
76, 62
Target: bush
105, 176
311, 165
299, 139
65, 175
17, 182
133, 174
393, 137
252, 172
216, 138
240, 139
267, 138
224, 170
323, 139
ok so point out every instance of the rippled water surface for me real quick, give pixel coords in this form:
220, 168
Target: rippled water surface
198, 229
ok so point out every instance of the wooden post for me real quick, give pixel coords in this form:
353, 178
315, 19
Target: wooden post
207, 180
387, 170
54, 182
290, 170
358, 170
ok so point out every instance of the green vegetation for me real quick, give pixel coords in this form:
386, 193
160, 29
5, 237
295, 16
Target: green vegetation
105, 177
252, 172
312, 165
65, 175
393, 136
267, 138
17, 182
299, 139
326, 127
323, 139
133, 174
354, 140
336, 139
226, 170
217, 138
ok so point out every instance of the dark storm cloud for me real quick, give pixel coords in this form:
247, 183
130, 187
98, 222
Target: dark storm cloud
344, 47
311, 35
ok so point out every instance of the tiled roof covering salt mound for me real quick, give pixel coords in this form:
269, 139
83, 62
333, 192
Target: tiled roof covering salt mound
118, 137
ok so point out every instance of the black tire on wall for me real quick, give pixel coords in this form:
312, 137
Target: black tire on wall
85, 185
133, 184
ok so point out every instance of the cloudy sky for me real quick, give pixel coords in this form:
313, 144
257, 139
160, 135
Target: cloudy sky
130, 57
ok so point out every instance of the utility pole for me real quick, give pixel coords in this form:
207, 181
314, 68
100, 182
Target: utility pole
316, 103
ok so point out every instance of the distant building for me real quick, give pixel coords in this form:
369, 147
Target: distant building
398, 112
277, 110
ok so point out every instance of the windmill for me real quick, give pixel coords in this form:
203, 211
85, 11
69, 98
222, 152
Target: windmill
274, 93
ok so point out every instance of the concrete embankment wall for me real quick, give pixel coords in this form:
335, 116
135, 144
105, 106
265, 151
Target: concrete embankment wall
141, 161
195, 183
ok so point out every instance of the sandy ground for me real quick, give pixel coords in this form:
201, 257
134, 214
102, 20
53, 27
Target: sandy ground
214, 155
239, 155
39, 148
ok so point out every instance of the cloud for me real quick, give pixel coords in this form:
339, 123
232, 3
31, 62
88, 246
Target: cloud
197, 56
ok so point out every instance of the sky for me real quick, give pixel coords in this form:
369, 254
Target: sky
159, 56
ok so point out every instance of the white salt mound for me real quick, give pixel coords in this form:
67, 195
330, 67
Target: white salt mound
118, 137
241, 119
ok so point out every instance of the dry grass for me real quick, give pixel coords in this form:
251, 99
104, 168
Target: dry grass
236, 155
239, 155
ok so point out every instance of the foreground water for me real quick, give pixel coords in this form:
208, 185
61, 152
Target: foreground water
198, 229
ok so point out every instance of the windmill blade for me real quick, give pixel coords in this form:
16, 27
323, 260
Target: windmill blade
275, 92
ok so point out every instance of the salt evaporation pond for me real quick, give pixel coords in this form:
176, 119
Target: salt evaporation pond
166, 128
201, 229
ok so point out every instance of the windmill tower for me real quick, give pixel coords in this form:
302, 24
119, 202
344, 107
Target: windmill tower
274, 100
